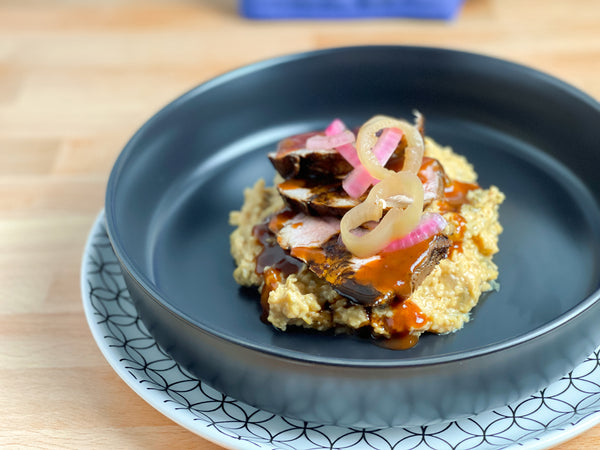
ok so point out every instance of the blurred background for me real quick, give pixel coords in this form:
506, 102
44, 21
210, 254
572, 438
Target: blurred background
77, 78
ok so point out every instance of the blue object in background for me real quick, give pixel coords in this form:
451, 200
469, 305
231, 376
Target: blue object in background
349, 9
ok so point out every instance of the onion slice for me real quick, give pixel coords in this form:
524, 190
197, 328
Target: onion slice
348, 151
429, 225
367, 139
319, 142
396, 224
358, 181
386, 144
335, 127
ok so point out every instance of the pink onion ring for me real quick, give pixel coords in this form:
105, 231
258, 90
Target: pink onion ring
429, 225
358, 181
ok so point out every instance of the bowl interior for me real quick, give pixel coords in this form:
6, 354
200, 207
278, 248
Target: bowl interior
175, 183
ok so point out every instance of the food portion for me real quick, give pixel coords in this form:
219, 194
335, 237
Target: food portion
377, 230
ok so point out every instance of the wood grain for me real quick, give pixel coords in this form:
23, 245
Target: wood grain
77, 78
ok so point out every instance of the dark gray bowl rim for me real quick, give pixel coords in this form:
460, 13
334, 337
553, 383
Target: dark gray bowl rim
126, 262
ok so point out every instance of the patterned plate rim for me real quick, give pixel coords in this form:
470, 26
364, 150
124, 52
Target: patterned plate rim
584, 415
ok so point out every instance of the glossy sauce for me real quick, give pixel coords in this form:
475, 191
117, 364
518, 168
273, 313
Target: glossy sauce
428, 167
277, 221
272, 255
272, 278
272, 263
315, 255
399, 342
455, 195
459, 233
392, 272
396, 162
292, 183
407, 316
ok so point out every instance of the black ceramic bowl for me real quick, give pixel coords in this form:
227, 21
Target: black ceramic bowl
538, 139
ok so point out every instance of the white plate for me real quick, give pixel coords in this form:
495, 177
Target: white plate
557, 413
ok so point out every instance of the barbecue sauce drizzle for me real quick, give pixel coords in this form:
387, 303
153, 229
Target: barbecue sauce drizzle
272, 263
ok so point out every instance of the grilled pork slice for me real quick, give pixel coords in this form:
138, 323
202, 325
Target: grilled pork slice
376, 280
315, 198
301, 230
293, 160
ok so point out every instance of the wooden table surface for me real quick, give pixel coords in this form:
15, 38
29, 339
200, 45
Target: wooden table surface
77, 78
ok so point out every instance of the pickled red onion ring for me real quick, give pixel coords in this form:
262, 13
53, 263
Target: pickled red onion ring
386, 144
348, 151
429, 225
319, 142
335, 127
358, 181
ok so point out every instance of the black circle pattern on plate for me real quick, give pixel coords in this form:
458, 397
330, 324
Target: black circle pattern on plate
573, 400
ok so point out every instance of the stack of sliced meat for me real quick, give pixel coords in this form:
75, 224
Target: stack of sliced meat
308, 229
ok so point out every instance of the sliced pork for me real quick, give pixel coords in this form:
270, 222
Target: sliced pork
317, 199
300, 230
376, 280
293, 160
314, 197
